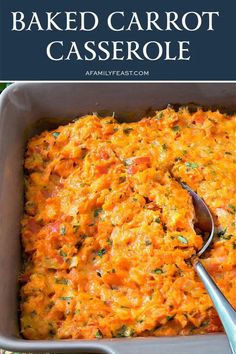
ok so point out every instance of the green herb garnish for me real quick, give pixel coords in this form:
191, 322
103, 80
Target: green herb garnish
175, 128
169, 318
109, 241
157, 220
157, 271
101, 252
97, 212
148, 243
182, 239
98, 334
62, 281
83, 236
62, 253
125, 331
66, 298
232, 207
63, 230
227, 237
191, 164
159, 115
221, 232
55, 134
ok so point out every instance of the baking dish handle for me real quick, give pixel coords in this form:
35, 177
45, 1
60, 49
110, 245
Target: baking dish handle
225, 311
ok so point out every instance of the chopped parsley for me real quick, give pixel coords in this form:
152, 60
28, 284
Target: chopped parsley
227, 237
175, 128
221, 232
169, 318
233, 208
182, 239
125, 331
140, 321
62, 253
191, 164
66, 298
101, 252
97, 212
157, 220
62, 281
158, 271
159, 115
148, 243
234, 245
109, 241
84, 236
98, 334
63, 230
55, 134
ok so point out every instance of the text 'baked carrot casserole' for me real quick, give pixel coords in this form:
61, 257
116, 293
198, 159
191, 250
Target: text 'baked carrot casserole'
108, 233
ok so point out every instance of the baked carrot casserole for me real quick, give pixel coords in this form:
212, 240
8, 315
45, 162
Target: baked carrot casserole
108, 232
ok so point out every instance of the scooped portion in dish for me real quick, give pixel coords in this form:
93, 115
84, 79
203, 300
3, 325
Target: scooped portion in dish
108, 233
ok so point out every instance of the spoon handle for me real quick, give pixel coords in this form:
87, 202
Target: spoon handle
225, 311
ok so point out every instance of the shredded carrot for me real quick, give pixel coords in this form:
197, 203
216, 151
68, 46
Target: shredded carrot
108, 232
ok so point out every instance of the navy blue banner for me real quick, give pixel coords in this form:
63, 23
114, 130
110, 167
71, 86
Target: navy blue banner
124, 40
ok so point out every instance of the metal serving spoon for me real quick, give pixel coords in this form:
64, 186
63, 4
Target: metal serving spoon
225, 311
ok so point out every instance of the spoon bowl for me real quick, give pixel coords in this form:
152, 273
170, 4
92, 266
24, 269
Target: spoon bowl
203, 219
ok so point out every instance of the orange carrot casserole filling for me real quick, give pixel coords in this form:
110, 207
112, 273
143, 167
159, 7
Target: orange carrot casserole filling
108, 233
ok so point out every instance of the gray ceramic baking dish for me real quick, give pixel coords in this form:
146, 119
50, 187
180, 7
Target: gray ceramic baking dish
27, 108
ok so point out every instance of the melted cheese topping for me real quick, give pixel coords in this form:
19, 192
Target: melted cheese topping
108, 232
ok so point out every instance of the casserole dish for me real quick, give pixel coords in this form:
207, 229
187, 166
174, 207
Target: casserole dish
23, 109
